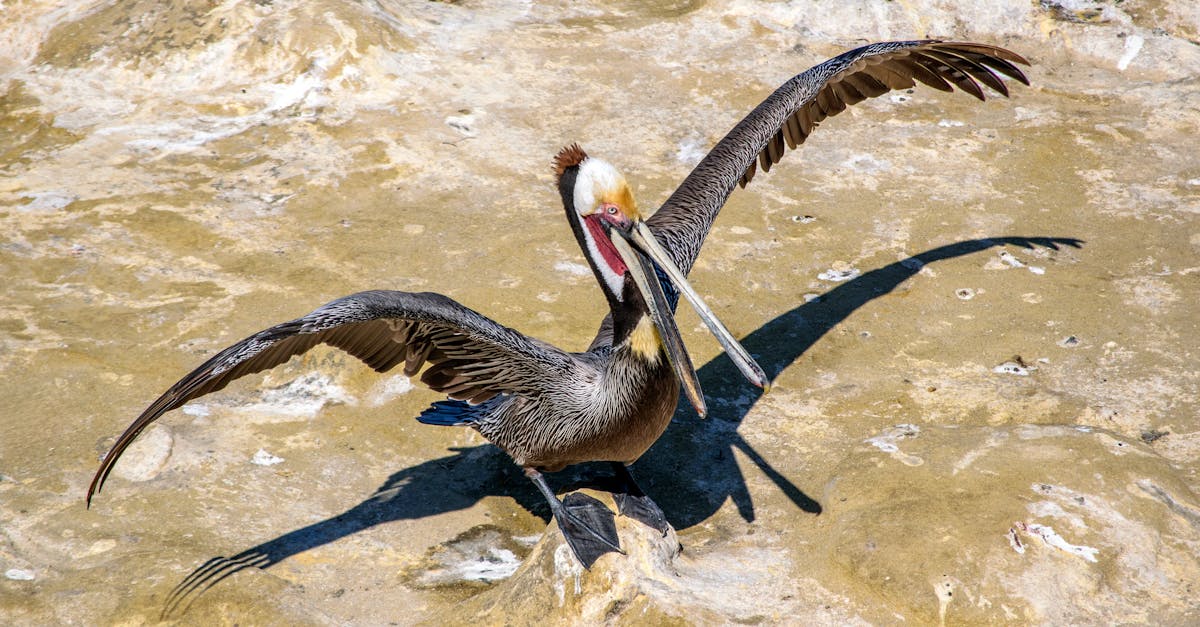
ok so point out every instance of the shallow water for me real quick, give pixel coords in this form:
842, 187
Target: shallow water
176, 178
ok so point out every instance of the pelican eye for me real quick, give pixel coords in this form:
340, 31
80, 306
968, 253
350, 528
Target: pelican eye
612, 210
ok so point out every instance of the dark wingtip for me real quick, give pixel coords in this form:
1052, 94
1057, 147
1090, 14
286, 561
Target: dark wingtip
97, 484
94, 488
1009, 55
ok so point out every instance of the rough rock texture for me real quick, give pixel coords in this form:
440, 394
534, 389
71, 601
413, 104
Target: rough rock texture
973, 420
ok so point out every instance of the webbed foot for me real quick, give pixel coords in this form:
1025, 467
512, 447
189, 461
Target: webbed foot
589, 527
634, 503
643, 510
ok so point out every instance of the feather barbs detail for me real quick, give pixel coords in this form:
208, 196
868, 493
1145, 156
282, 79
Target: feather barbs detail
568, 157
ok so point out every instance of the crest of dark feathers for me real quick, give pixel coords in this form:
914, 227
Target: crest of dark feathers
568, 157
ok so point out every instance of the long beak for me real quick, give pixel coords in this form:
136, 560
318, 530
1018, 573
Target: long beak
647, 281
642, 271
643, 238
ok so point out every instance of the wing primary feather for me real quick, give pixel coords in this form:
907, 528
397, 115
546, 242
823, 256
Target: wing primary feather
355, 339
864, 85
749, 175
828, 103
949, 68
807, 119
482, 396
376, 347
416, 355
924, 74
385, 355
773, 150
438, 376
986, 50
847, 92
794, 135
971, 68
892, 75
1004, 67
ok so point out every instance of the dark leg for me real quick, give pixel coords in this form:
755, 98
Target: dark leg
588, 526
634, 503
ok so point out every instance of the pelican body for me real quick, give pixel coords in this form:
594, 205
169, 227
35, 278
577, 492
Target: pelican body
548, 408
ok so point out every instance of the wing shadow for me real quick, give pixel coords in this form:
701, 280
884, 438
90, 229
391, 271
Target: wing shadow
438, 486
690, 471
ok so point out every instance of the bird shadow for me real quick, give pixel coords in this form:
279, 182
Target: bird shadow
691, 471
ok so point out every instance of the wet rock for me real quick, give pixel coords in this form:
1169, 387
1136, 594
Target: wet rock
482, 555
177, 176
148, 455
1034, 524
1014, 368
263, 458
840, 271
298, 399
17, 574
656, 581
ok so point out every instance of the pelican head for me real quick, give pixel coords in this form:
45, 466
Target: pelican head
599, 203
598, 200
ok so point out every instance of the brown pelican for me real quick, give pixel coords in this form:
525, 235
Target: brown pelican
548, 408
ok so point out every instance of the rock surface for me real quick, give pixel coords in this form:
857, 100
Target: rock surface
973, 420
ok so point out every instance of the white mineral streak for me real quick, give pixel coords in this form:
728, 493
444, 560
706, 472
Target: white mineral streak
262, 458
1052, 539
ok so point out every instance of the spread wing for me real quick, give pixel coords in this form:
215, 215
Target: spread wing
472, 358
787, 117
